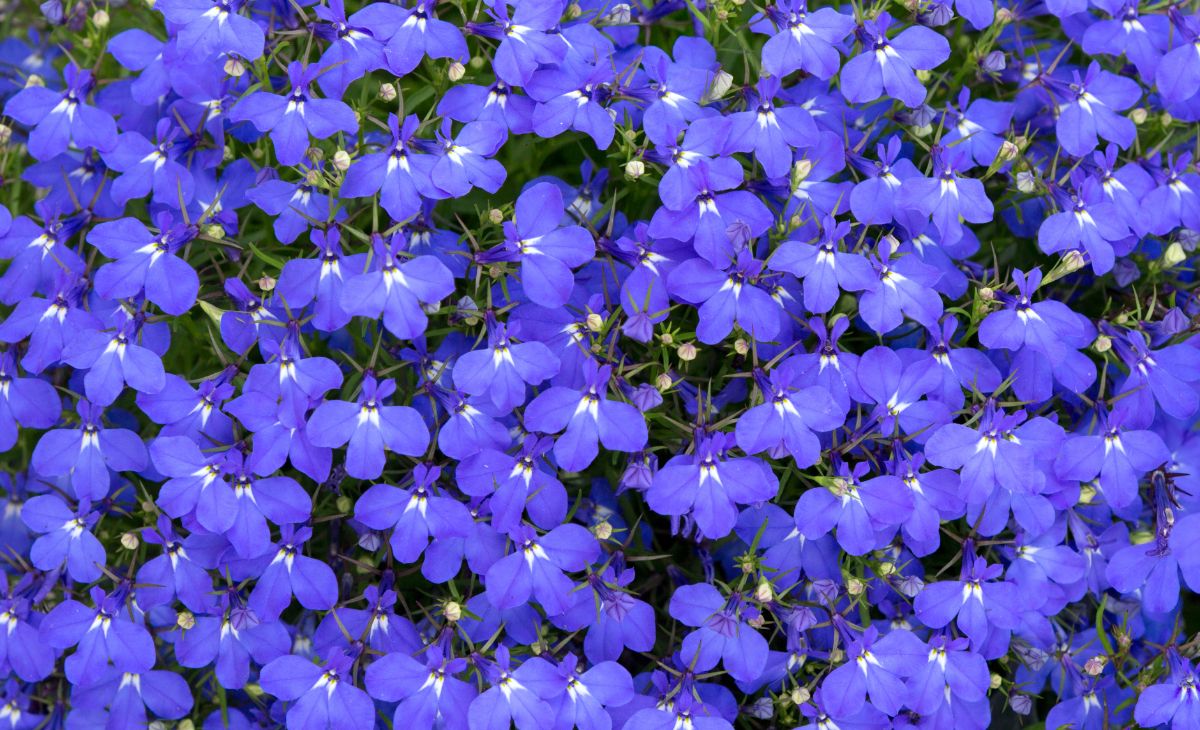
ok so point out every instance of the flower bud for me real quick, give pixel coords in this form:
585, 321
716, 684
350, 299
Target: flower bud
602, 530
635, 169
1095, 666
887, 568
855, 587
476, 62
452, 611
344, 504
1166, 119
266, 283
799, 696
214, 230
387, 91
1026, 181
456, 71
235, 67
721, 84
595, 322
1087, 493
185, 620
1021, 704
1102, 344
496, 216
1004, 16
5, 134
995, 681
312, 178
1174, 255
687, 352
986, 293
800, 171
740, 346
764, 593
341, 160
757, 622
316, 154
100, 19
1138, 116
227, 154
666, 338
130, 541
34, 80
663, 382
1009, 150
185, 724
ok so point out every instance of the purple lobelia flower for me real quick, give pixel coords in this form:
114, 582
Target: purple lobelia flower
825, 269
152, 168
587, 415
1089, 108
769, 130
24, 402
518, 484
173, 574
377, 625
292, 118
721, 631
38, 254
413, 515
1086, 221
905, 288
615, 619
370, 426
888, 64
1121, 456
502, 371
65, 537
957, 368
528, 37
59, 118
1173, 702
874, 199
294, 206
129, 694
572, 96
785, 421
288, 378
709, 485
535, 567
321, 280
465, 160
429, 694
951, 671
803, 40
320, 696
546, 249
197, 484
280, 500
875, 668
513, 698
978, 601
727, 297
114, 359
395, 288
292, 573
1158, 379
210, 27
986, 458
100, 634
143, 261
861, 511
230, 639
22, 652
412, 34
398, 172
578, 697
947, 197
88, 452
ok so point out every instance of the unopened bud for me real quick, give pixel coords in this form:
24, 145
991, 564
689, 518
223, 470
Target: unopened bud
1004, 16
266, 283
235, 67
34, 80
185, 724
1174, 254
986, 293
764, 593
1009, 150
666, 338
887, 568
341, 160
757, 622
452, 611
130, 541
1095, 666
855, 587
663, 382
456, 71
602, 530
740, 346
214, 230
1138, 116
687, 352
799, 696
1026, 181
185, 620
344, 504
316, 154
635, 169
922, 130
387, 92
1166, 119
800, 171
5, 134
1087, 493
1102, 344
1072, 261
100, 19
595, 322
995, 681
574, 11
721, 84
496, 216
312, 178
227, 154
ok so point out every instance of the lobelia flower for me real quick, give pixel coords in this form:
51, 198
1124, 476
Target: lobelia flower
320, 280
197, 484
211, 27
578, 697
770, 131
356, 44
828, 366
1089, 108
815, 195
1045, 336
28, 403
173, 574
1177, 77
546, 249
528, 38
151, 167
862, 511
291, 573
146, 262
502, 371
88, 452
535, 567
615, 620
288, 378
280, 500
511, 700
395, 288
952, 675
1121, 456
1159, 378
874, 199
291, 119
398, 172
429, 693
293, 206
825, 269
802, 40
587, 416
101, 634
22, 652
905, 288
727, 297
978, 601
320, 696
934, 497
230, 639
785, 421
516, 484
708, 485
58, 118
721, 632
38, 254
113, 359
129, 694
572, 96
985, 456
464, 161
947, 197
65, 537
888, 64
1087, 221
957, 368
412, 34
978, 126
1174, 701
1141, 38
497, 103
370, 427
1176, 200
467, 430
875, 667
676, 88
413, 515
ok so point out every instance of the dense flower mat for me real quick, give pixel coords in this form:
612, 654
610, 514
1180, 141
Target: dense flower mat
684, 365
